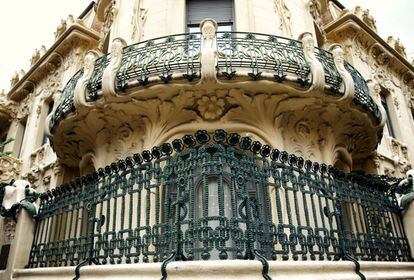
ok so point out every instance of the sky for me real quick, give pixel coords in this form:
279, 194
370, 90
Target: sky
28, 24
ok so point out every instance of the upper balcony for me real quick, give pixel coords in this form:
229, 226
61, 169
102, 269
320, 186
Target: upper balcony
176, 59
218, 77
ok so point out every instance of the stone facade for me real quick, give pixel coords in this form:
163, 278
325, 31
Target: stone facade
78, 108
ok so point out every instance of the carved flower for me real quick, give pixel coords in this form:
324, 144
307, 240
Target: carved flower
211, 107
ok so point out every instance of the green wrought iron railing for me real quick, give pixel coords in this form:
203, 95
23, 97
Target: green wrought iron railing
178, 56
160, 58
218, 196
261, 52
362, 95
65, 105
94, 84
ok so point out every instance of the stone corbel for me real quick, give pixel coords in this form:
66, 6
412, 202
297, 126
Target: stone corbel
49, 117
208, 28
375, 89
318, 74
339, 60
79, 98
109, 74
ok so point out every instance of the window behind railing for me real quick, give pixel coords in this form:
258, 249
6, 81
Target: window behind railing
224, 199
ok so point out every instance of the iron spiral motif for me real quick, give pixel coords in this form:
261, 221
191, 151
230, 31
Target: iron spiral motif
218, 196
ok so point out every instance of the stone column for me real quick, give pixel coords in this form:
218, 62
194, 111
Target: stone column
408, 223
21, 243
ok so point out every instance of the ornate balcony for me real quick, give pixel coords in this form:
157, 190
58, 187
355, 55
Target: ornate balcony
219, 196
176, 59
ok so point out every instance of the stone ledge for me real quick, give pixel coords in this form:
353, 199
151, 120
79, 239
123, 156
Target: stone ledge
226, 270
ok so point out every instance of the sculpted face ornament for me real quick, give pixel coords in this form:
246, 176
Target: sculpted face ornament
208, 30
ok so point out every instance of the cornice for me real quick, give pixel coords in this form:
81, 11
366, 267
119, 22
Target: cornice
351, 21
53, 56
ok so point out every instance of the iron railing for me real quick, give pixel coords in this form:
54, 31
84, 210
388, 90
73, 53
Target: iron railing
65, 105
362, 95
218, 196
258, 53
94, 84
160, 58
178, 56
332, 78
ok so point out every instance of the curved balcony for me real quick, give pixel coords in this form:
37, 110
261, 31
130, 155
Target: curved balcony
218, 196
242, 56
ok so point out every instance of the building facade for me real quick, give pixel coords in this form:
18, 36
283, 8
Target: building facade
189, 139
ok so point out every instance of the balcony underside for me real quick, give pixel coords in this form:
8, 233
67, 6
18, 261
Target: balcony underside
250, 83
285, 115
235, 269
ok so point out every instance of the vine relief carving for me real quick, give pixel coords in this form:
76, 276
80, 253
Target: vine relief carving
110, 14
138, 21
283, 12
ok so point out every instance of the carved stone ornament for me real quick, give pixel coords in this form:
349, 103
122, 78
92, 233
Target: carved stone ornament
318, 74
211, 108
284, 15
110, 14
9, 226
79, 98
18, 195
138, 21
9, 168
109, 74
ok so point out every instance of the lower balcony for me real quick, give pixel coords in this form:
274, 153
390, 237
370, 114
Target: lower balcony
186, 209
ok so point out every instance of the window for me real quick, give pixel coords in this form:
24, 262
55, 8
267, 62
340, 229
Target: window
21, 130
49, 110
219, 10
390, 127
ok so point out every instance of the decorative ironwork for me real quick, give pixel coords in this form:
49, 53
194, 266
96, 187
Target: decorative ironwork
362, 95
332, 77
95, 82
66, 101
217, 196
260, 52
160, 58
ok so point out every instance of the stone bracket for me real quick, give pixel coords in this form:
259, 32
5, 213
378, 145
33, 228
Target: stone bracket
349, 86
79, 96
316, 67
208, 28
109, 75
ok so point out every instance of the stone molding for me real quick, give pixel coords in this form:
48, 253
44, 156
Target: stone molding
229, 269
380, 49
75, 34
